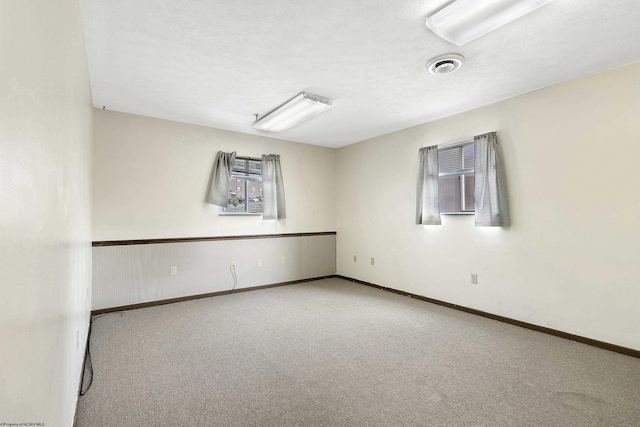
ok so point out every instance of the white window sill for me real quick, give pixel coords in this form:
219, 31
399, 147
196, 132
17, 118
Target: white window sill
240, 214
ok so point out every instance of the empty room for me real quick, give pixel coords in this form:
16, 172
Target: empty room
340, 213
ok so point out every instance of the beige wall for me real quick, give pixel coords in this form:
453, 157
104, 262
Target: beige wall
570, 259
151, 176
45, 194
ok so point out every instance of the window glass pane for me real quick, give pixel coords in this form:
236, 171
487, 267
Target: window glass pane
450, 194
237, 196
468, 156
456, 188
245, 186
245, 195
255, 197
469, 188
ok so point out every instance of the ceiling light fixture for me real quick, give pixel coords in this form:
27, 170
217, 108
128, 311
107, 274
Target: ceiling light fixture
445, 64
298, 109
461, 21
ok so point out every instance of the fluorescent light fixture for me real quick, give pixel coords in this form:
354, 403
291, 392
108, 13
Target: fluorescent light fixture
298, 109
461, 21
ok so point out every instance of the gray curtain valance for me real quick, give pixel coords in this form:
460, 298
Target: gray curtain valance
273, 188
492, 202
220, 175
427, 197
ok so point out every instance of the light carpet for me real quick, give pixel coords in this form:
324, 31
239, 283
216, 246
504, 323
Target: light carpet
336, 353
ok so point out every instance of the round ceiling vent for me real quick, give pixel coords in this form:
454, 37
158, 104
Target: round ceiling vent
445, 64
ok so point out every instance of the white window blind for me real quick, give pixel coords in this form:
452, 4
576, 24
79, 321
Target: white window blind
456, 172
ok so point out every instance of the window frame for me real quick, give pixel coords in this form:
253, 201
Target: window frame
461, 173
248, 177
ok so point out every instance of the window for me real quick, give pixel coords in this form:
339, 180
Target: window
245, 189
456, 178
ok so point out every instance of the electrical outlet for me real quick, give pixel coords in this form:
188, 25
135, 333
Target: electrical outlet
233, 264
355, 258
174, 270
259, 262
373, 261
474, 278
282, 259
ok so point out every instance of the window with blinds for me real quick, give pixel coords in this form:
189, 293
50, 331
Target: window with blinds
456, 178
245, 187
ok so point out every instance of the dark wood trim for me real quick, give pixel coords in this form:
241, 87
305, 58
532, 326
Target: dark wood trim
207, 295
207, 239
589, 341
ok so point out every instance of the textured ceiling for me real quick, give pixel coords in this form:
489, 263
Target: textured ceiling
216, 63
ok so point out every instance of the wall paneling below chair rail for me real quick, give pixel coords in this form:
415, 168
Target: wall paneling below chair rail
127, 274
